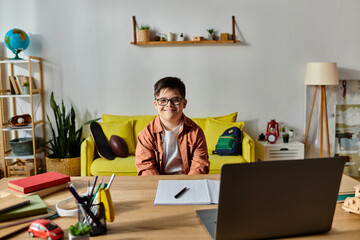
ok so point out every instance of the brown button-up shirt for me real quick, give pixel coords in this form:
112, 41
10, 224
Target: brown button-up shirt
149, 156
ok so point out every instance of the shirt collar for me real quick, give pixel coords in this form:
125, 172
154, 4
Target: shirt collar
158, 127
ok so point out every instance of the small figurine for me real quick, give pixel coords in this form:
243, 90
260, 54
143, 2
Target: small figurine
352, 204
45, 228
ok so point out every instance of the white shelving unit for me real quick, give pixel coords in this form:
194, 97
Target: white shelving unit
9, 108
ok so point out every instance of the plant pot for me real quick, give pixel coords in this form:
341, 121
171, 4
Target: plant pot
286, 139
210, 37
25, 90
68, 166
82, 237
144, 35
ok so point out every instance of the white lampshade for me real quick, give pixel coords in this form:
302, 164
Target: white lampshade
321, 73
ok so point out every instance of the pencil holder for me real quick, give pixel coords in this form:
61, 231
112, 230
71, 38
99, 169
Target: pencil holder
94, 215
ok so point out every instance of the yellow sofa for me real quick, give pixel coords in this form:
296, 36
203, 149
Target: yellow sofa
128, 127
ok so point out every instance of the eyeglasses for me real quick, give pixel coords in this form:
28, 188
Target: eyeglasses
164, 101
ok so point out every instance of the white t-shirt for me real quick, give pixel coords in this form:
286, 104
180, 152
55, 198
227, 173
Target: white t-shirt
172, 158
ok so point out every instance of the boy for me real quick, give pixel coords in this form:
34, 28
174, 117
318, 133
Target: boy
171, 143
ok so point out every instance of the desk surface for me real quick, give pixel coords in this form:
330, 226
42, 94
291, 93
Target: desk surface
138, 218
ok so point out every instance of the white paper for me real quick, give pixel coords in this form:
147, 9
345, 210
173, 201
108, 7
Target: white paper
214, 189
199, 192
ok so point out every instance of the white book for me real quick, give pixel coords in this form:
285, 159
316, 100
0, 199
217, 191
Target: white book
198, 192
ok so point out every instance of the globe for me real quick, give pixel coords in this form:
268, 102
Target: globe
16, 40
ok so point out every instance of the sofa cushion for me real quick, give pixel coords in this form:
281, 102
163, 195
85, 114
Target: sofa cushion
126, 166
122, 129
215, 128
139, 121
216, 161
201, 122
119, 166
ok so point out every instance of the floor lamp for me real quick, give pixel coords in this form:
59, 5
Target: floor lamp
321, 74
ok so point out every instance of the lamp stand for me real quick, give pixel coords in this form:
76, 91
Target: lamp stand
323, 111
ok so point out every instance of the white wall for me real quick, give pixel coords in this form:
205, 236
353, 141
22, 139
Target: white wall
90, 63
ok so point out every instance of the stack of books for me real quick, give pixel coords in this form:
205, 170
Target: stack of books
41, 184
21, 204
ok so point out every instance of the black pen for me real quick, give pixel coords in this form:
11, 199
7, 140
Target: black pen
92, 191
181, 192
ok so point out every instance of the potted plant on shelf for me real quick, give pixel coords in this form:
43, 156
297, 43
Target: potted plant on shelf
211, 33
79, 231
182, 36
144, 33
291, 133
66, 141
26, 88
285, 137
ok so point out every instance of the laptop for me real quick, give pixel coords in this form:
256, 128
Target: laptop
275, 199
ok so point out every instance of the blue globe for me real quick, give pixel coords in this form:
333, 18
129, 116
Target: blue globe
16, 40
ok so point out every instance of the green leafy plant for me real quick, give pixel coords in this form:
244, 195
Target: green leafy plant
66, 140
144, 27
79, 229
285, 135
26, 84
210, 31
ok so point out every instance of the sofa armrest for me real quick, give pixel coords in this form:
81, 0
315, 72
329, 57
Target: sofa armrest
248, 149
87, 155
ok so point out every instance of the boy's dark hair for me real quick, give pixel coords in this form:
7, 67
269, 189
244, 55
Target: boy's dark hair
173, 83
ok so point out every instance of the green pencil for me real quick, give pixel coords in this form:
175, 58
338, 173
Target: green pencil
96, 191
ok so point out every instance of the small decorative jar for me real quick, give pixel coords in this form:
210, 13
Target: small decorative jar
26, 88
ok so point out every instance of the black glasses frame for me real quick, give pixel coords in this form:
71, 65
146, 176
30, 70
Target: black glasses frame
169, 100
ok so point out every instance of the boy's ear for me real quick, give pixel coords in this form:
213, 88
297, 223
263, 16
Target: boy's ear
185, 103
155, 104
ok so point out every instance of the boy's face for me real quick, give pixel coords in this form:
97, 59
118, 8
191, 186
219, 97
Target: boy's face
170, 112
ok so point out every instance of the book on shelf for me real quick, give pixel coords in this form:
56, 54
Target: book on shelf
23, 79
18, 84
14, 85
36, 206
11, 202
42, 192
196, 192
12, 90
38, 182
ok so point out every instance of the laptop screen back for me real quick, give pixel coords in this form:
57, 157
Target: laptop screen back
278, 198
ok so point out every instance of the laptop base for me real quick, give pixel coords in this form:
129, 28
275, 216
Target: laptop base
208, 218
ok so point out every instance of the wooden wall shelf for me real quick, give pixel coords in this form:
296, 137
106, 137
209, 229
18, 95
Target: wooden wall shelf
135, 42
184, 42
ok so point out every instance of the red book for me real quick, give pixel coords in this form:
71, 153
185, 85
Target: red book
37, 182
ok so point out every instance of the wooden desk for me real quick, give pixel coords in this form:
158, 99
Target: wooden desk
138, 218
